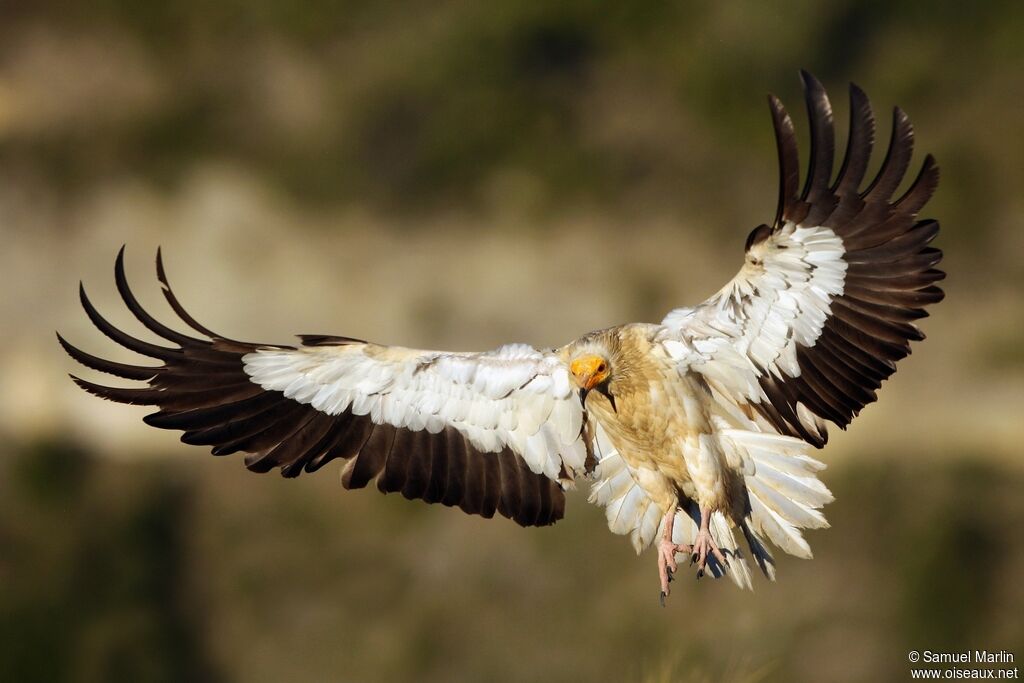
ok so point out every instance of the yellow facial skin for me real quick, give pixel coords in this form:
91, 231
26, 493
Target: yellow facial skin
589, 371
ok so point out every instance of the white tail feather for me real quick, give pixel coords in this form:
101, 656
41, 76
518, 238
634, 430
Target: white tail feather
783, 534
738, 570
783, 489
788, 509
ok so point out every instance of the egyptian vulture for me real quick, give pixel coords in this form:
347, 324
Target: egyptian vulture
696, 431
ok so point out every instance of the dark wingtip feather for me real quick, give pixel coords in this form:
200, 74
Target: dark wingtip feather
860, 143
897, 159
161, 274
172, 300
116, 394
922, 189
122, 338
152, 324
789, 159
327, 340
819, 114
857, 93
110, 367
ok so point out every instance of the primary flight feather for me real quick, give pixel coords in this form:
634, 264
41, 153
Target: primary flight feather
696, 432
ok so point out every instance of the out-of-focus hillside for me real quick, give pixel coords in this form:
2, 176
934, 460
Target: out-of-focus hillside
203, 573
460, 176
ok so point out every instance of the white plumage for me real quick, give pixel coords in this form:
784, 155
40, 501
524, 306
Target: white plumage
501, 398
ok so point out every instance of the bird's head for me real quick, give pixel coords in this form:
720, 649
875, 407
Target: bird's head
592, 371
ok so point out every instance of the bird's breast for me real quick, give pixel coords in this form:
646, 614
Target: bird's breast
656, 415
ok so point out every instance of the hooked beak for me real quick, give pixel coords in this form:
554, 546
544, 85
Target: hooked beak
601, 389
592, 374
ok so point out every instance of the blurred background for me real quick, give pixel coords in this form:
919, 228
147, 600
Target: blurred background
459, 175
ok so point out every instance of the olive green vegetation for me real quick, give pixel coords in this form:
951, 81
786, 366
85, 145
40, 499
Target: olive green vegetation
95, 582
425, 107
186, 578
360, 123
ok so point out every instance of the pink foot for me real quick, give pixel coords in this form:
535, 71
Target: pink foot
667, 556
704, 545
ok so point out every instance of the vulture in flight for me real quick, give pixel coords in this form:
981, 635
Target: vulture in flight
695, 433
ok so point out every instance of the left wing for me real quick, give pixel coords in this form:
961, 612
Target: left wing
826, 300
499, 431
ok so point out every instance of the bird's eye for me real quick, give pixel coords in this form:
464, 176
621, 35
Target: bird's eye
602, 367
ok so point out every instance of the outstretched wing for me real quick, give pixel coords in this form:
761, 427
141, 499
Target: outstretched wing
826, 300
495, 431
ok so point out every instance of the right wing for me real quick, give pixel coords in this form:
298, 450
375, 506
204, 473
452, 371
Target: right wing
500, 431
826, 300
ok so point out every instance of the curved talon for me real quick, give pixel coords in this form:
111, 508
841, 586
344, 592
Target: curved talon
666, 565
704, 546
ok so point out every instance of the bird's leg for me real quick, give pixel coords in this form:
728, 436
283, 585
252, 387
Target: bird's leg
704, 544
667, 550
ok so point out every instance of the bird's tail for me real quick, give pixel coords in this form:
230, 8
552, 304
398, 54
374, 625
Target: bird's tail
631, 511
783, 491
784, 494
